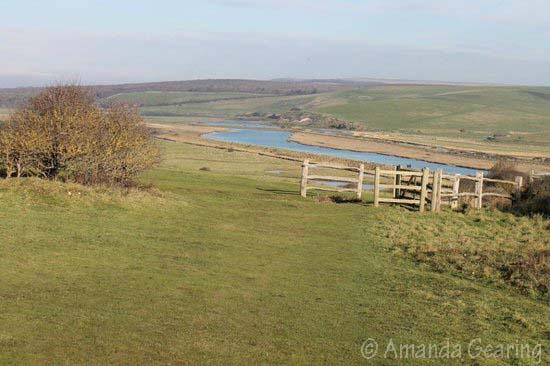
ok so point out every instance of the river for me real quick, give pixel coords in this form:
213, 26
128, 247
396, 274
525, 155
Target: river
279, 139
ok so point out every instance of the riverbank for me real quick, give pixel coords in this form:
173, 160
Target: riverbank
441, 155
320, 145
192, 135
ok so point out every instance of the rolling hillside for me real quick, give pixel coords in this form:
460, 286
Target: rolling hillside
499, 116
444, 108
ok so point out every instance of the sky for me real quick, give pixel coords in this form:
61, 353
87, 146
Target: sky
106, 41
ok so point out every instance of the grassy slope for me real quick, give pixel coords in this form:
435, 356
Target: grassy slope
230, 108
156, 98
443, 110
227, 267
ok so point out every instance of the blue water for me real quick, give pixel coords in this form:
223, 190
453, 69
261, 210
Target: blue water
240, 124
279, 139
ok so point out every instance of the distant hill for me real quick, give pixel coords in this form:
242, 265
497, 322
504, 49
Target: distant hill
11, 96
359, 82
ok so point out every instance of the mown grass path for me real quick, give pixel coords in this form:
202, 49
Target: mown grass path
227, 266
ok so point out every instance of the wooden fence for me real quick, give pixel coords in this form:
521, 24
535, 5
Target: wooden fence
450, 189
307, 177
422, 188
537, 175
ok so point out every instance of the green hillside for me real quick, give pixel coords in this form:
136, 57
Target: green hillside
230, 108
157, 98
501, 116
507, 114
220, 262
444, 110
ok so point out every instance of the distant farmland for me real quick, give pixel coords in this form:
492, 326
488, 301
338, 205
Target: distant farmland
503, 117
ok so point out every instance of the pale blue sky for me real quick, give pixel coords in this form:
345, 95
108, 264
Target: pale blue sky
502, 41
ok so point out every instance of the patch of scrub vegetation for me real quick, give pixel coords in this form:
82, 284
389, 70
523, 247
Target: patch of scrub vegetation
489, 245
230, 265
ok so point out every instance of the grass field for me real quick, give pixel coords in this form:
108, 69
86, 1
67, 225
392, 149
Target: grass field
222, 263
506, 114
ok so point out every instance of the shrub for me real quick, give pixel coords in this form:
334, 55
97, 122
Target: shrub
61, 133
535, 199
505, 170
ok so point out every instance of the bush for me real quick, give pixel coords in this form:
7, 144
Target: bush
535, 199
505, 170
61, 133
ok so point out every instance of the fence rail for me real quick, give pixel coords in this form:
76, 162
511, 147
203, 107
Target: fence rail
537, 175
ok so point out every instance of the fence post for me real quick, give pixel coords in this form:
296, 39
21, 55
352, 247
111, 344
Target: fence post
394, 182
531, 176
435, 188
519, 184
439, 188
303, 184
360, 181
397, 181
456, 188
424, 190
376, 186
479, 190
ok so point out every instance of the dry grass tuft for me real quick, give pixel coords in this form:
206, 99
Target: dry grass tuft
491, 245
